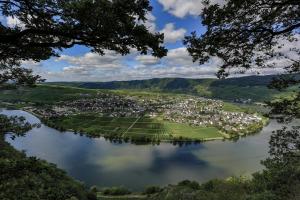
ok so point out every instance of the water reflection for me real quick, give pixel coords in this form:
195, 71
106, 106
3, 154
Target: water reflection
99, 162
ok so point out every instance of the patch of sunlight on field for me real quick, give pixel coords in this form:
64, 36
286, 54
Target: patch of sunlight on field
186, 131
137, 128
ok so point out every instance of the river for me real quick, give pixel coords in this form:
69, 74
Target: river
100, 162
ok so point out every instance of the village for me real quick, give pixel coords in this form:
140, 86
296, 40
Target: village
208, 112
194, 111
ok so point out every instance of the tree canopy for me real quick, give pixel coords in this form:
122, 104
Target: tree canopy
247, 34
43, 27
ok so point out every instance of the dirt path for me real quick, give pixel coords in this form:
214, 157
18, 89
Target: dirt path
131, 126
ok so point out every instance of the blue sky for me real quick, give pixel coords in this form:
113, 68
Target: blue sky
174, 18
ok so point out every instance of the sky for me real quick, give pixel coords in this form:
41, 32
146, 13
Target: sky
174, 18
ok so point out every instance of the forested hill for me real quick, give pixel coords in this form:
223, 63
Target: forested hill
249, 87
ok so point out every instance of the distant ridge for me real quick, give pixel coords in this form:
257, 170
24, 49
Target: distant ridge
171, 83
253, 87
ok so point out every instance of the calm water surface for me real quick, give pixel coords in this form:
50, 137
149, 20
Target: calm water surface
99, 162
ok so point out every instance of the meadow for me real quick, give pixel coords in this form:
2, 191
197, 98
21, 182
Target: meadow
95, 124
134, 129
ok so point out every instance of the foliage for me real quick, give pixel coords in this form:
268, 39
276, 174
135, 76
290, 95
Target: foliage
191, 184
152, 190
23, 178
18, 76
250, 34
213, 190
235, 33
116, 191
245, 34
14, 125
42, 95
47, 26
288, 107
283, 165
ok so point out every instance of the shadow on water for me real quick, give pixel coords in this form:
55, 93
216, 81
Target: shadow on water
97, 161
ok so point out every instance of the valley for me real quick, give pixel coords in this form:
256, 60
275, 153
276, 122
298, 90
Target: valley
148, 141
137, 116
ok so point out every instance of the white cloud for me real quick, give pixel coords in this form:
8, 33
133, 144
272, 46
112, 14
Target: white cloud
172, 35
178, 63
147, 59
91, 67
93, 60
31, 64
13, 22
182, 8
112, 66
179, 56
150, 22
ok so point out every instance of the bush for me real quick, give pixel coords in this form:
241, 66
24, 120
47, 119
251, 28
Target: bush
152, 190
190, 184
24, 177
91, 195
115, 191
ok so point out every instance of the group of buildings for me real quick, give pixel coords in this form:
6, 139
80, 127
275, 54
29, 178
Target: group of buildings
209, 112
195, 111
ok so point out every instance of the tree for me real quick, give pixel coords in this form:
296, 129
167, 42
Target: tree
247, 34
14, 125
46, 27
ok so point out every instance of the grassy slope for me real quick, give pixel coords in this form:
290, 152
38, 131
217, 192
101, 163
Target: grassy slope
252, 87
49, 94
229, 189
44, 94
27, 178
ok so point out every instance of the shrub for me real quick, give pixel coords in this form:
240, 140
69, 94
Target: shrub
152, 190
115, 191
190, 184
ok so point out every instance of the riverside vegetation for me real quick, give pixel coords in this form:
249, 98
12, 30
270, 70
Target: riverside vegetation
30, 178
136, 116
235, 32
276, 182
37, 179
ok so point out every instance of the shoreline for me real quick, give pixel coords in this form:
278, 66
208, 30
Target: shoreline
226, 136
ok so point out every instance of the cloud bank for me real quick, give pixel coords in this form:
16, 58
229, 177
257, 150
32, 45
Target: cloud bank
182, 8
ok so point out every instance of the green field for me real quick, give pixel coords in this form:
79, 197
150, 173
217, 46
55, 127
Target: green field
44, 94
249, 87
142, 128
51, 94
96, 125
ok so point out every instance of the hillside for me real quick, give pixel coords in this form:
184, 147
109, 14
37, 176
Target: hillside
250, 87
134, 115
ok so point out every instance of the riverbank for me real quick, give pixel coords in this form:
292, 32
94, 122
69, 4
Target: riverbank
23, 177
101, 163
138, 130
144, 129
136, 117
115, 162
